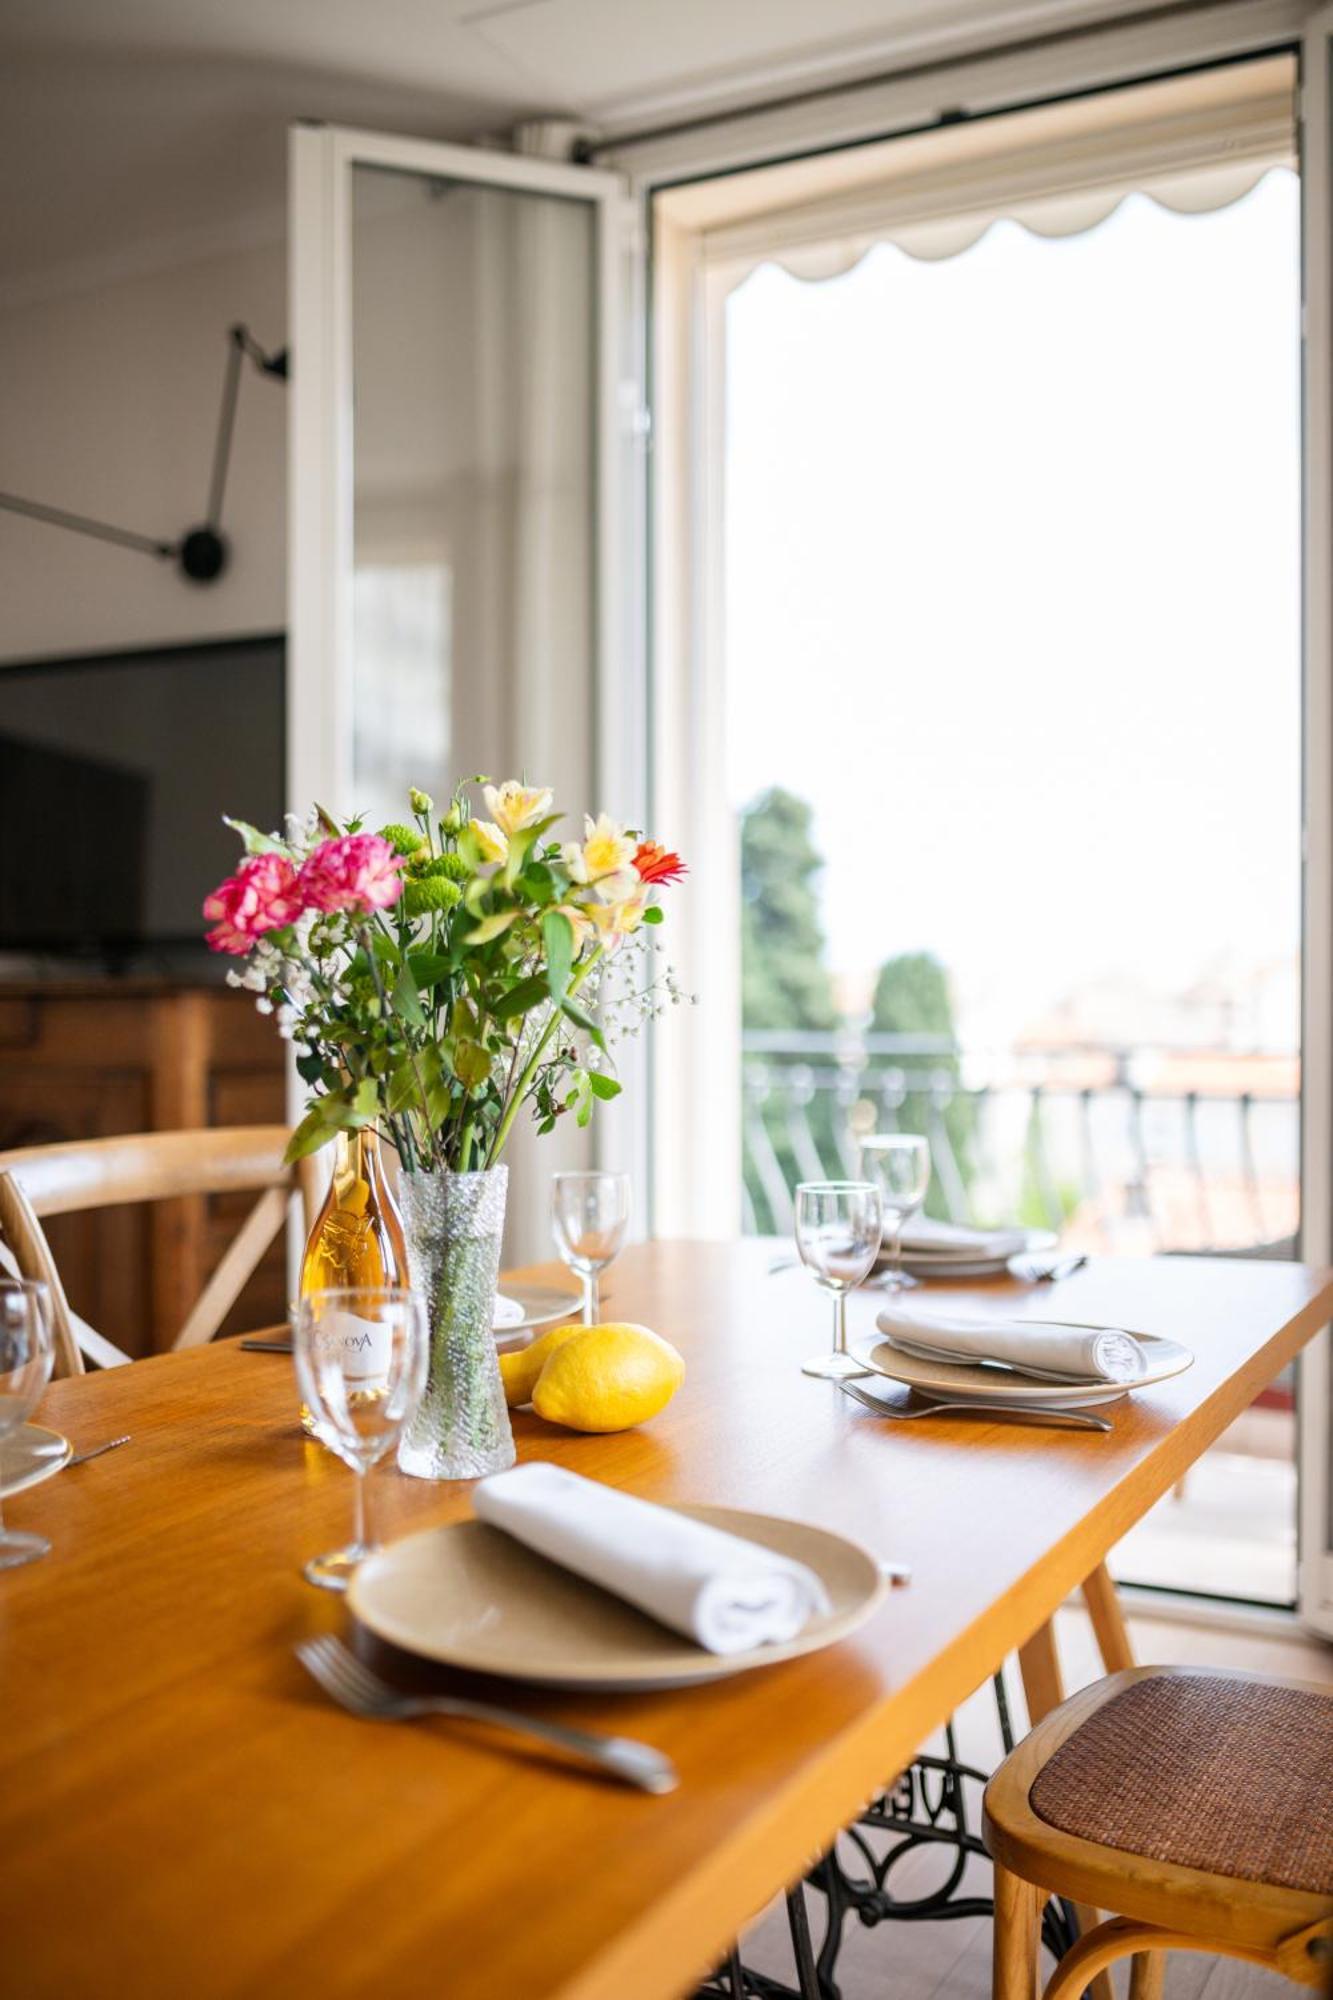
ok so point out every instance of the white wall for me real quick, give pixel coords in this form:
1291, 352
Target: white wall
108, 406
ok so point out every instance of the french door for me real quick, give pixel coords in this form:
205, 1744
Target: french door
462, 513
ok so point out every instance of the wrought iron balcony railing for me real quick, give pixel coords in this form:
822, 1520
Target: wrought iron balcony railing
1122, 1148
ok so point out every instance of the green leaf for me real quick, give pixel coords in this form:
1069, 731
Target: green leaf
405, 1001
493, 926
520, 846
472, 1064
520, 999
584, 1021
403, 1088
310, 1068
602, 1085
558, 938
386, 948
255, 841
653, 914
429, 968
313, 1132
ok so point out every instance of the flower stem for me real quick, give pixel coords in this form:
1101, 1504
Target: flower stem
530, 1067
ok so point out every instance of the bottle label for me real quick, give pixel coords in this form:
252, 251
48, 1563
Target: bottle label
366, 1346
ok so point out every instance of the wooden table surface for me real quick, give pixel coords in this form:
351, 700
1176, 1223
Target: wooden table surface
183, 1813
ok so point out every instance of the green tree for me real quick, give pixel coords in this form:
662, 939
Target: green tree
784, 981
912, 997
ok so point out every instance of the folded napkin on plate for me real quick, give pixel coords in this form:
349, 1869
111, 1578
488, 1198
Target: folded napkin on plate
1041, 1347
508, 1312
923, 1236
726, 1593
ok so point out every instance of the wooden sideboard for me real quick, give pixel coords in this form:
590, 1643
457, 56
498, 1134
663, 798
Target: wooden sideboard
87, 1061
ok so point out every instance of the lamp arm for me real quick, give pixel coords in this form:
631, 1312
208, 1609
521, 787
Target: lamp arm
83, 524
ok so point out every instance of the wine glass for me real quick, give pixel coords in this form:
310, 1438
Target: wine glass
589, 1217
361, 1355
837, 1235
26, 1355
899, 1165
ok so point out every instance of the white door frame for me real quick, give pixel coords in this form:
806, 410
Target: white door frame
687, 705
1316, 1384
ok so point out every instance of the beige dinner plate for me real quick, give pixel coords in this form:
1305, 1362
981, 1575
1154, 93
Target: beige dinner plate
981, 1381
29, 1455
471, 1596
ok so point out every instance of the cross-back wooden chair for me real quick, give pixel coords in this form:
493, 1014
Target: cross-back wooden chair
39, 1181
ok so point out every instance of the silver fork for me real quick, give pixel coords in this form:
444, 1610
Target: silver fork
1027, 1413
354, 1687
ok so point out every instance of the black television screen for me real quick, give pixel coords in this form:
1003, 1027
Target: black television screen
115, 771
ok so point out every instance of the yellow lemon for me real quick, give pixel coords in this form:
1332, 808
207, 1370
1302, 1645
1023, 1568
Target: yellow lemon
519, 1370
606, 1378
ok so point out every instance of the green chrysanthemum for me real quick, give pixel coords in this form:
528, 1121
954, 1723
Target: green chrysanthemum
402, 839
430, 893
451, 866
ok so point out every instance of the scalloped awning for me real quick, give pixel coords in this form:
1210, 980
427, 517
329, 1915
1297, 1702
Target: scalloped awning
1192, 143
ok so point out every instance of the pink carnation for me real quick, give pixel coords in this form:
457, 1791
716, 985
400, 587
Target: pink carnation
358, 871
263, 895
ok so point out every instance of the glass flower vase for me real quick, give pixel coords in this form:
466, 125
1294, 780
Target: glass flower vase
453, 1224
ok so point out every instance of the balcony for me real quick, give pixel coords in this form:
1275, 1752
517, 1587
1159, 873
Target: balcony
1132, 1150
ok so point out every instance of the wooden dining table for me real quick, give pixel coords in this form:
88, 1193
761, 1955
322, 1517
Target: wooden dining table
184, 1813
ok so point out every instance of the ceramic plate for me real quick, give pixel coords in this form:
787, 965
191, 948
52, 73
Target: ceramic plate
473, 1597
981, 1381
934, 1264
542, 1305
29, 1455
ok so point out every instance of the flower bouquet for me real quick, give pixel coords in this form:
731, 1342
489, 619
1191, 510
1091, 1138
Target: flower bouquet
434, 977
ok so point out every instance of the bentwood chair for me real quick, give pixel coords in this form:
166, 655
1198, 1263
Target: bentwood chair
1194, 1803
39, 1181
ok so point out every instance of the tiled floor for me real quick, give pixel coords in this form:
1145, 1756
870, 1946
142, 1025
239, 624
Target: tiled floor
951, 1961
1230, 1527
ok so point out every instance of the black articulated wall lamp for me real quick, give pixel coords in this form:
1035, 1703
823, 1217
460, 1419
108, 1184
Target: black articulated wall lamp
203, 552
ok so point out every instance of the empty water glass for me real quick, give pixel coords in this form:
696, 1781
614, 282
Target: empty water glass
26, 1354
837, 1234
361, 1355
899, 1165
589, 1218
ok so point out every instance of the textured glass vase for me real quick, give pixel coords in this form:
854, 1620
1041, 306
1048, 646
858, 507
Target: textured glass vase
453, 1224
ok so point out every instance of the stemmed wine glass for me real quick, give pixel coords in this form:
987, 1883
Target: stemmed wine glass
837, 1234
26, 1354
899, 1165
589, 1217
361, 1355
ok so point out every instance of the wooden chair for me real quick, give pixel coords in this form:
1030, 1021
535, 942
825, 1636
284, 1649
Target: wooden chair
39, 1181
1195, 1803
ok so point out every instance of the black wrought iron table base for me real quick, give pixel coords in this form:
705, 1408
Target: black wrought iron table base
935, 1806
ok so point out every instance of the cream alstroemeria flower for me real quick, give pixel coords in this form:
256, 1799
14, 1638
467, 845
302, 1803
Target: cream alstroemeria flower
513, 806
492, 844
606, 850
613, 921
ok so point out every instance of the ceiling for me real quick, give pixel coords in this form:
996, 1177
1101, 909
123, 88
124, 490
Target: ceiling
129, 127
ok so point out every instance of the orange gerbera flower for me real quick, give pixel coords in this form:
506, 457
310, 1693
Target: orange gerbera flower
656, 863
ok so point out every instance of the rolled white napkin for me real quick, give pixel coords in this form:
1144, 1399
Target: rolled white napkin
508, 1312
727, 1594
1049, 1348
924, 1236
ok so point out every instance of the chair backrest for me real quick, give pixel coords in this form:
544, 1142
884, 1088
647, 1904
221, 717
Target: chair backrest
37, 1181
